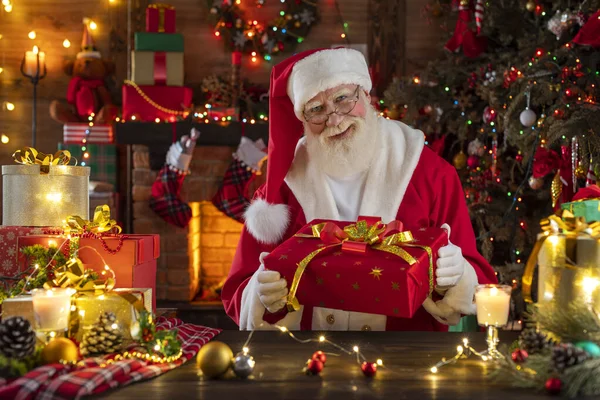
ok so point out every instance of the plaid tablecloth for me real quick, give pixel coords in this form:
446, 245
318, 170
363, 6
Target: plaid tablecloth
57, 381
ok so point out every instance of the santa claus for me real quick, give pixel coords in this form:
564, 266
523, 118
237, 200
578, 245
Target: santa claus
331, 156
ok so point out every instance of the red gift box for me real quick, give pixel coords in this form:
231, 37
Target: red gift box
74, 133
363, 266
160, 18
146, 103
10, 262
134, 263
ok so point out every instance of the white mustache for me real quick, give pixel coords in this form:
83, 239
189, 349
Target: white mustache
336, 130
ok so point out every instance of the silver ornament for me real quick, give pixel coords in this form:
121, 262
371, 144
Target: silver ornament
536, 183
527, 117
243, 365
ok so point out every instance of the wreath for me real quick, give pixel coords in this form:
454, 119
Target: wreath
265, 39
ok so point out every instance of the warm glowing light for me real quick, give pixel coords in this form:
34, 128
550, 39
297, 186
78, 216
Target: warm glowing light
355, 348
54, 196
245, 350
8, 8
459, 349
114, 326
217, 33
157, 120
321, 338
465, 341
379, 361
36, 50
283, 329
416, 80
66, 43
253, 59
93, 25
31, 35
343, 35
4, 139
9, 106
434, 370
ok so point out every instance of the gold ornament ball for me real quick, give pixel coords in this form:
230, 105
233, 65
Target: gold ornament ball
580, 172
60, 349
214, 359
460, 160
530, 6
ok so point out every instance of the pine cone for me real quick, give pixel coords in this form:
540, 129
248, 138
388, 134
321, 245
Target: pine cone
17, 338
567, 355
533, 341
104, 337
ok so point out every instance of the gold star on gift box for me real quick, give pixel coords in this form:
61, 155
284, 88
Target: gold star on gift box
355, 286
376, 272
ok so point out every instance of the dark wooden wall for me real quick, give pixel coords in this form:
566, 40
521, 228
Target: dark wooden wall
54, 21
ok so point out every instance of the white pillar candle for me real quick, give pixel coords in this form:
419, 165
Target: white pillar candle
51, 308
31, 62
493, 303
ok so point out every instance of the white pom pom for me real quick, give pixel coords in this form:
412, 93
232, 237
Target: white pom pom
527, 117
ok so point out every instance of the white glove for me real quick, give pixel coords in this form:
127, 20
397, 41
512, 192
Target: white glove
272, 288
450, 264
180, 153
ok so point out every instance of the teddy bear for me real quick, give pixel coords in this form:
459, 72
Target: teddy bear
87, 94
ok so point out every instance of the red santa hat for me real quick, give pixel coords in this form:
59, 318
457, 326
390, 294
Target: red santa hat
88, 47
295, 81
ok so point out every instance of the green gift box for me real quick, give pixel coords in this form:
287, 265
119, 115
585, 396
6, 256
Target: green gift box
150, 41
589, 209
102, 160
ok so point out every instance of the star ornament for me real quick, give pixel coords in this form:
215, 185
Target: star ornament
395, 286
376, 272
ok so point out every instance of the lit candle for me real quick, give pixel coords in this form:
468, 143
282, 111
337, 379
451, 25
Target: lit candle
493, 302
32, 68
51, 308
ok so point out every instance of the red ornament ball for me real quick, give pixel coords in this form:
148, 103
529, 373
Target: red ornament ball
519, 356
369, 369
489, 114
319, 355
553, 385
489, 199
473, 162
314, 366
519, 158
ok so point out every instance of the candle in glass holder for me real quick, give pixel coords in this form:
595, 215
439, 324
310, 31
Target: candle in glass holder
51, 308
31, 67
493, 303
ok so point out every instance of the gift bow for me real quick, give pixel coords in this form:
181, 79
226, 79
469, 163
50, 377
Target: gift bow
102, 223
73, 275
367, 232
566, 224
587, 193
30, 156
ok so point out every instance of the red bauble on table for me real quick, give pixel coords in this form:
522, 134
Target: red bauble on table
553, 385
314, 366
519, 356
369, 369
319, 355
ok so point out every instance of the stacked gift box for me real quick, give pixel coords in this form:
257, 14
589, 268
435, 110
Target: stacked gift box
57, 216
156, 90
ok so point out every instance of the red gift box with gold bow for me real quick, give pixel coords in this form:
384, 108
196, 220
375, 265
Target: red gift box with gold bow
364, 266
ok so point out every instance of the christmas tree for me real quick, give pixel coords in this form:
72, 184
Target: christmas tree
512, 104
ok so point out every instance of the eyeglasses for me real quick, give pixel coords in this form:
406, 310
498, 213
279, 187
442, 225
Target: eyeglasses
343, 106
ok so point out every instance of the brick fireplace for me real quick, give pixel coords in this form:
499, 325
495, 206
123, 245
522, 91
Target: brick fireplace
197, 258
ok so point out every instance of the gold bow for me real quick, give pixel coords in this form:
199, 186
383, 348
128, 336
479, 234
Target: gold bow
73, 275
30, 156
102, 223
357, 237
566, 224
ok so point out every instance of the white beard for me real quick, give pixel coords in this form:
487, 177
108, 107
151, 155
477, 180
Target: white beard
347, 156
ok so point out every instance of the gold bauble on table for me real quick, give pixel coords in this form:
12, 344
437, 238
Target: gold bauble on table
530, 6
214, 359
460, 160
60, 349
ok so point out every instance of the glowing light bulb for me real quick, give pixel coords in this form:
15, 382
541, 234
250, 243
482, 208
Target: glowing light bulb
9, 106
93, 25
66, 43
31, 35
5, 139
434, 370
321, 338
355, 348
8, 8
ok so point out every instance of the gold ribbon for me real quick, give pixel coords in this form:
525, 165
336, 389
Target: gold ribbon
566, 225
73, 275
353, 238
31, 156
102, 223
161, 14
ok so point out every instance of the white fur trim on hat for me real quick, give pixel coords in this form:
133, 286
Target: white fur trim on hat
267, 222
324, 70
89, 54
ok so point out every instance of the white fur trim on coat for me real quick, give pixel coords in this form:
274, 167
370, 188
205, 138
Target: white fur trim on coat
457, 300
267, 222
252, 310
324, 70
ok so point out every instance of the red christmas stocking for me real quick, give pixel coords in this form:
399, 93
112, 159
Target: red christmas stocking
472, 44
232, 198
165, 199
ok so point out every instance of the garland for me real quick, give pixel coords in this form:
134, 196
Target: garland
266, 39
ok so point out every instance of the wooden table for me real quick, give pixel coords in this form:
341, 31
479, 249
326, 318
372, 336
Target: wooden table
279, 361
